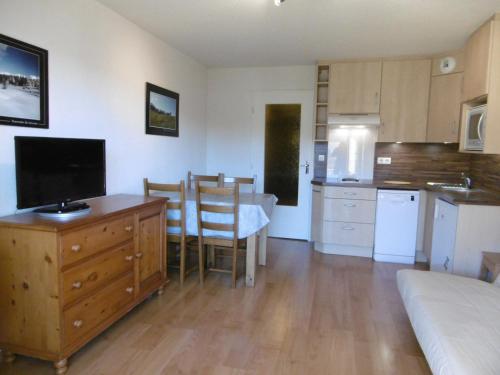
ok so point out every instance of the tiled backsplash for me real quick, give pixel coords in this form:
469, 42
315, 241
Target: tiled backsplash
421, 162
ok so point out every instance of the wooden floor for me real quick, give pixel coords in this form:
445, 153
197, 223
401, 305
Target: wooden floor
308, 314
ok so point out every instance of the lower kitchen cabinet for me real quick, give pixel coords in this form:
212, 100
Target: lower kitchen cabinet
343, 220
460, 233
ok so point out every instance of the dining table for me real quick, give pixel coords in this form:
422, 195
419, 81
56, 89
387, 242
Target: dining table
254, 216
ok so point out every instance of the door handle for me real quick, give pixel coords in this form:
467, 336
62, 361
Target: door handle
306, 165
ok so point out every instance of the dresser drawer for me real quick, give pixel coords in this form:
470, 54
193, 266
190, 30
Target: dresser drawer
83, 317
351, 234
85, 242
90, 275
350, 193
356, 211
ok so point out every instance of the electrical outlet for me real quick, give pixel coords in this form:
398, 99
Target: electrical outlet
384, 160
321, 157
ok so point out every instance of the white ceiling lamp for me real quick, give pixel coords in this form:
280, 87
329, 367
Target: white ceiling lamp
278, 2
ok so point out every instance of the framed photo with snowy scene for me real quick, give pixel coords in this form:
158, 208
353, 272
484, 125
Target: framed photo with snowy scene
24, 99
162, 111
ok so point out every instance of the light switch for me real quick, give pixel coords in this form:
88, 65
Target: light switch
384, 160
321, 157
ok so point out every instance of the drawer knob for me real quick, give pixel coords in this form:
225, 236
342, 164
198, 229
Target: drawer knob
77, 285
129, 258
77, 323
129, 290
129, 228
76, 248
138, 255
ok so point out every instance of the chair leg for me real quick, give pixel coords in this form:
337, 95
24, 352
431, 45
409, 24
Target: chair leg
182, 268
201, 265
235, 257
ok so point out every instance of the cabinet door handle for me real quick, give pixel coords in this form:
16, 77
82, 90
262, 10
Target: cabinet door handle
347, 228
129, 290
349, 193
129, 228
446, 262
77, 323
349, 205
77, 285
129, 258
138, 255
76, 248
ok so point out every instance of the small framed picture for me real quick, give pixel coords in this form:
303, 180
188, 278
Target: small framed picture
24, 99
162, 111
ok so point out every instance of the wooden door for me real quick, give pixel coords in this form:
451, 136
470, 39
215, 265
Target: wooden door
354, 87
477, 62
404, 100
444, 108
150, 252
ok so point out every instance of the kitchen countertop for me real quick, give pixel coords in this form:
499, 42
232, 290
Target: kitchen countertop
478, 197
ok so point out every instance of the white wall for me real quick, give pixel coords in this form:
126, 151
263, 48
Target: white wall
98, 65
230, 123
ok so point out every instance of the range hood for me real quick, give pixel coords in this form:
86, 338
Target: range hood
354, 119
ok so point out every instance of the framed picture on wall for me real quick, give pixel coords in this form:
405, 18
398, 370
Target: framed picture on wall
24, 99
162, 111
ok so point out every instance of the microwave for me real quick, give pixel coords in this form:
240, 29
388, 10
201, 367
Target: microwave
475, 122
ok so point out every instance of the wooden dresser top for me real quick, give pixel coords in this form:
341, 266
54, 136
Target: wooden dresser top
102, 207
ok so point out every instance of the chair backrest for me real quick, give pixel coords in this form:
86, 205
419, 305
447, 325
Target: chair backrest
242, 181
192, 178
231, 207
179, 205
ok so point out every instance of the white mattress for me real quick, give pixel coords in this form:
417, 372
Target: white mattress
456, 321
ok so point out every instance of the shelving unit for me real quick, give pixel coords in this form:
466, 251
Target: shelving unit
321, 113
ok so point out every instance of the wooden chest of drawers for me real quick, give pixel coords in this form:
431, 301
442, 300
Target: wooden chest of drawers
63, 283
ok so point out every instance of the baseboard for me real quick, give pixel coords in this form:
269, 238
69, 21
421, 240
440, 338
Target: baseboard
356, 251
393, 258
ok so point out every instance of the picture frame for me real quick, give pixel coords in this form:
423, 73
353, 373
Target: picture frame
24, 86
162, 111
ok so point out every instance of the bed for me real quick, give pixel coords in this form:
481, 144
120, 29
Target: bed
456, 321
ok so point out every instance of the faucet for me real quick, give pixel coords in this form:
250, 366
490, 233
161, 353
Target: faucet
467, 180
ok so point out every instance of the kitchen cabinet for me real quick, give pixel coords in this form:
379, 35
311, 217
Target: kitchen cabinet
444, 108
343, 220
460, 233
404, 100
443, 236
478, 53
354, 87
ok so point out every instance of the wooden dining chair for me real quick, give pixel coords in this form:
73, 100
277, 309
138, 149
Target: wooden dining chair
176, 229
229, 181
228, 238
217, 180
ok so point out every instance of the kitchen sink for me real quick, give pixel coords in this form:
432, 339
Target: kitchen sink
453, 187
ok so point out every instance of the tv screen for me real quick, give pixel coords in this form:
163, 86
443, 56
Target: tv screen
55, 170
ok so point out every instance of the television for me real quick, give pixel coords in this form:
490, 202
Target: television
58, 171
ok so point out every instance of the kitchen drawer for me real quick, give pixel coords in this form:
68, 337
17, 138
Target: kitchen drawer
88, 314
351, 234
96, 272
348, 210
91, 240
350, 193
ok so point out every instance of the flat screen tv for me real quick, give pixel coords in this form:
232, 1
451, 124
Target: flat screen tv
57, 171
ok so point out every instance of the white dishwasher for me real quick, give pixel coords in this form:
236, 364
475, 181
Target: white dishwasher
396, 226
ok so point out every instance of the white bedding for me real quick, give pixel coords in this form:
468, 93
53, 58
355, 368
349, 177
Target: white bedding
456, 321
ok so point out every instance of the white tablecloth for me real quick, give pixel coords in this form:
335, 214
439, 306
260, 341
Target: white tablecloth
254, 213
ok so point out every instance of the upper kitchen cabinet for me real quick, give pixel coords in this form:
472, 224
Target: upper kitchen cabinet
354, 87
479, 52
445, 98
405, 100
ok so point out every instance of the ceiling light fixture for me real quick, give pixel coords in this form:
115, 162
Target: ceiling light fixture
278, 2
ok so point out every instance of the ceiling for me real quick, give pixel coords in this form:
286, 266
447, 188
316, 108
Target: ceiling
227, 33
